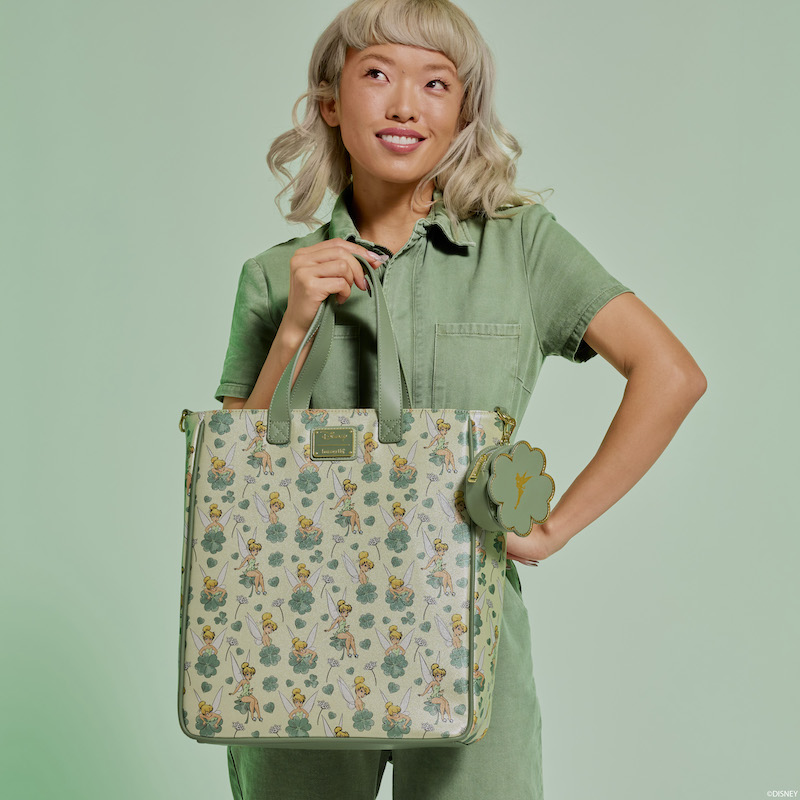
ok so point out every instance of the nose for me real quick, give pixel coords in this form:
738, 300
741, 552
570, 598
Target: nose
403, 103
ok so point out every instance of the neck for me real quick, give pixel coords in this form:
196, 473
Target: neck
382, 211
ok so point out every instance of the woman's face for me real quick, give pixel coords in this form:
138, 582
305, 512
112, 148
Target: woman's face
396, 86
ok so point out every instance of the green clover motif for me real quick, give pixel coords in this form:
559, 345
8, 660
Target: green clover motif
521, 488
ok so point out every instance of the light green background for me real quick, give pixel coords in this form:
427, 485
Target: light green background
665, 635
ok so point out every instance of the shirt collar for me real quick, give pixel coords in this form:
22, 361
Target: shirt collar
342, 226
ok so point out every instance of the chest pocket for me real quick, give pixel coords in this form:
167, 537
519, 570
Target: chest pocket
475, 364
337, 386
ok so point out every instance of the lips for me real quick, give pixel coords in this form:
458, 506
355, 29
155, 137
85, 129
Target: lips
400, 132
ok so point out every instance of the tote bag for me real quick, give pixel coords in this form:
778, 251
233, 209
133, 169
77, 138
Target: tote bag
335, 593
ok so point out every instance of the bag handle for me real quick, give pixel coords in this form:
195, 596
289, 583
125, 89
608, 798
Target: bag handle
393, 392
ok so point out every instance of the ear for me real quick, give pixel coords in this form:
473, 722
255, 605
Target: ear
327, 108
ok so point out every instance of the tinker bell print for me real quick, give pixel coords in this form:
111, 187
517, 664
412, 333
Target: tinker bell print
248, 552
269, 513
209, 712
221, 468
456, 512
401, 587
304, 462
396, 640
365, 456
215, 521
243, 675
339, 613
302, 649
436, 553
433, 679
213, 591
298, 706
451, 634
261, 633
258, 435
308, 532
397, 714
304, 580
360, 690
358, 574
209, 643
338, 731
438, 431
478, 678
403, 466
345, 494
398, 521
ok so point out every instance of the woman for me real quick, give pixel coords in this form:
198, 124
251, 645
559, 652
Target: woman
482, 284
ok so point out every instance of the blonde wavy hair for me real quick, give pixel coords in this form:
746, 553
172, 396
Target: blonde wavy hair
476, 175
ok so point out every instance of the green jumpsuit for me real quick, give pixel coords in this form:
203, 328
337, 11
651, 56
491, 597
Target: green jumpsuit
476, 308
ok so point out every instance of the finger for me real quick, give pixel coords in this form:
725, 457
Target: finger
346, 268
350, 247
339, 250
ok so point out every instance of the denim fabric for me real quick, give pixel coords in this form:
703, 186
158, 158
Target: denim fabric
475, 310
506, 762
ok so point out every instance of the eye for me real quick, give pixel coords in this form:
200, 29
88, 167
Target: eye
373, 69
439, 80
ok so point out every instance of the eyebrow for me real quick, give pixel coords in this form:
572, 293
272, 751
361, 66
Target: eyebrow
434, 65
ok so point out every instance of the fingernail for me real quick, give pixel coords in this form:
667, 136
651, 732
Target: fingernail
381, 257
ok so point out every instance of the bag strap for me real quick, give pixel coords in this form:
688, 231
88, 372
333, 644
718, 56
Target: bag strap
393, 392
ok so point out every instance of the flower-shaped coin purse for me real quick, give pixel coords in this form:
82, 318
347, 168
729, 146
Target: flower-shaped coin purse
507, 487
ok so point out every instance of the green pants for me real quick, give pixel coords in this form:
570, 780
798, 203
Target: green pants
506, 762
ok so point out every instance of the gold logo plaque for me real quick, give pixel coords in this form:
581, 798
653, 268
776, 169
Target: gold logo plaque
334, 443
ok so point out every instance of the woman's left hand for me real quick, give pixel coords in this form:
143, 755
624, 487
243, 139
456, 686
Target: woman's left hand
536, 546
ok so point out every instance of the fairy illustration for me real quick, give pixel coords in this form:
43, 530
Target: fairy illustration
397, 537
298, 706
478, 678
435, 553
345, 495
258, 435
494, 633
365, 455
221, 468
452, 634
261, 634
208, 714
308, 533
438, 432
360, 689
213, 593
456, 512
339, 613
358, 574
396, 641
396, 715
209, 643
400, 589
305, 462
338, 731
214, 524
249, 552
304, 581
269, 513
403, 471
302, 655
433, 679
243, 675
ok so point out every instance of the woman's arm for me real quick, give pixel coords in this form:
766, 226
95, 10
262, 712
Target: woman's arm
663, 384
285, 345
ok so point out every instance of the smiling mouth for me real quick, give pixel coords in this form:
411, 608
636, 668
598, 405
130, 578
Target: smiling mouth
399, 139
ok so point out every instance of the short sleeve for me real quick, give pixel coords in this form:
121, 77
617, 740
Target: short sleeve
567, 285
252, 333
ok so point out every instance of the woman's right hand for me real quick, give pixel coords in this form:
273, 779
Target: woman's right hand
321, 269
